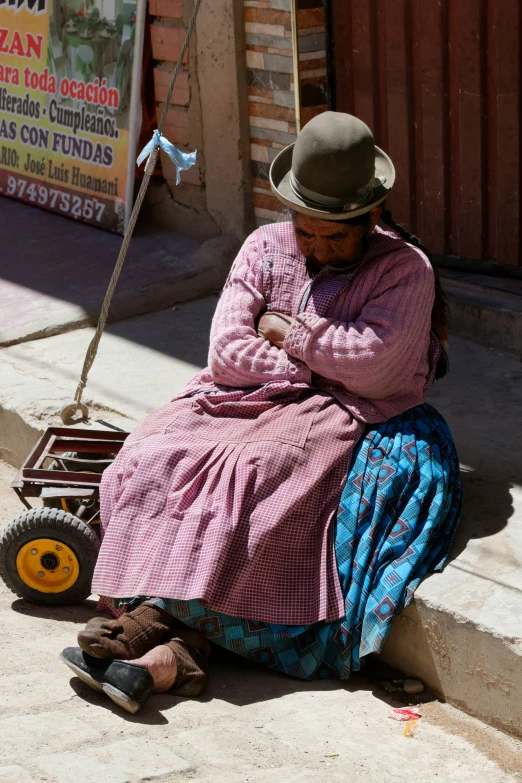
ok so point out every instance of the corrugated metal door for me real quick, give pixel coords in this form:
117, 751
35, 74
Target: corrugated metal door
438, 81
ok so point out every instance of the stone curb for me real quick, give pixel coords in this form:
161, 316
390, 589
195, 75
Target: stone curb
460, 656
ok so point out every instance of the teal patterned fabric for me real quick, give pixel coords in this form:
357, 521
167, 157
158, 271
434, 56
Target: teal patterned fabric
397, 517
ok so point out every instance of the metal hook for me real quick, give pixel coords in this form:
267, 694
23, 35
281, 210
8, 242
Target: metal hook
69, 410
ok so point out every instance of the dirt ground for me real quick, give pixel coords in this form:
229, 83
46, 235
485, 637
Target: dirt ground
252, 725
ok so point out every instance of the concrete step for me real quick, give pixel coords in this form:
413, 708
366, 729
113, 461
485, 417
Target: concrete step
463, 634
463, 637
485, 309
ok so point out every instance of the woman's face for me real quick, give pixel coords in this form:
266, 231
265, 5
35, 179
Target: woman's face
325, 242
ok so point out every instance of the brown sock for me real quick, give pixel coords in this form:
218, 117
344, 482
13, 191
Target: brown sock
130, 636
191, 649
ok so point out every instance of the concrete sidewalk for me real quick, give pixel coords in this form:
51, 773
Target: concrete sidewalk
463, 635
142, 362
54, 272
252, 726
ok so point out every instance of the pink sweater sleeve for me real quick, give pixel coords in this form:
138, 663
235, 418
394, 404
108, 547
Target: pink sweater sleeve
377, 355
237, 355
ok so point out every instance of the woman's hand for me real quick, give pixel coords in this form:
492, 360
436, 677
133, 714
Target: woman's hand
274, 326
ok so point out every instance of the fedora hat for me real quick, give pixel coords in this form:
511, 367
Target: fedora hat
334, 171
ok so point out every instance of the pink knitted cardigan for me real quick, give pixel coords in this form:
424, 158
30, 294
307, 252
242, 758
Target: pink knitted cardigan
374, 352
230, 497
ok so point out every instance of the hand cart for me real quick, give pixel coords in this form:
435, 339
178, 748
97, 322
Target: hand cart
48, 554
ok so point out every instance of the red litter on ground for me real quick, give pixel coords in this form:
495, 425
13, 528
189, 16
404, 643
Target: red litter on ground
405, 713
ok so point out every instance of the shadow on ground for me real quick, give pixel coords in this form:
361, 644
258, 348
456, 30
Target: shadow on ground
150, 715
240, 682
233, 679
68, 260
50, 262
71, 614
487, 509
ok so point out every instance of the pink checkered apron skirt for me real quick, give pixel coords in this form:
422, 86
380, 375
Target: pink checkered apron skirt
230, 497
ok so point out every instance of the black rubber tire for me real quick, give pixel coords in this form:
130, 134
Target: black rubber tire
56, 524
52, 503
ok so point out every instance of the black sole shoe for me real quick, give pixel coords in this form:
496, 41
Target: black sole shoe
127, 684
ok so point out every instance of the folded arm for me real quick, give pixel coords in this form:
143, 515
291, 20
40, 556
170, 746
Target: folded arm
377, 355
237, 355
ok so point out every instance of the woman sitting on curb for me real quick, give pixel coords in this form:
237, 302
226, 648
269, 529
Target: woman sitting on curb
287, 503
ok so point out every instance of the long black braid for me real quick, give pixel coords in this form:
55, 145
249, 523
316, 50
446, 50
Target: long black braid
440, 309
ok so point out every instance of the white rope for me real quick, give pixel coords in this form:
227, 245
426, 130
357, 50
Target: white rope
69, 410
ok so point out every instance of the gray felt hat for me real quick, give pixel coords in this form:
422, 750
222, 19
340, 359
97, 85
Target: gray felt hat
334, 171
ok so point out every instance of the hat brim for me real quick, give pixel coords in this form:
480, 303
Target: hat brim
280, 171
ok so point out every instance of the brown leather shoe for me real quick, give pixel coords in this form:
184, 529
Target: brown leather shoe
130, 636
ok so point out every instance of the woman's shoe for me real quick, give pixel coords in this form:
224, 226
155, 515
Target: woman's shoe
130, 636
127, 684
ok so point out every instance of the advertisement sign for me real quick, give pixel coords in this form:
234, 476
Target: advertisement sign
70, 74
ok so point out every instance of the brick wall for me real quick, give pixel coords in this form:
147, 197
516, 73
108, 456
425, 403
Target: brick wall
313, 75
271, 90
168, 30
271, 96
271, 87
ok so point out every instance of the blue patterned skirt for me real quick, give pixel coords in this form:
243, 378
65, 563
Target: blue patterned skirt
397, 517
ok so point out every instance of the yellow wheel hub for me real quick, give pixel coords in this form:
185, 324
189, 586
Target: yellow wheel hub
47, 565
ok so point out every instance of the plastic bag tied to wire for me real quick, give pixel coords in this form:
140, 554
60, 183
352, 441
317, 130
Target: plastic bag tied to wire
181, 160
